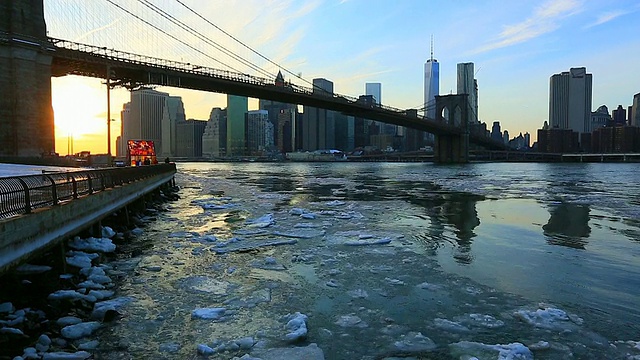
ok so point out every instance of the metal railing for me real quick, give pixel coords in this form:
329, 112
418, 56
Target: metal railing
23, 194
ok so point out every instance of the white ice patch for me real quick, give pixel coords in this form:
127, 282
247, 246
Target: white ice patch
261, 222
92, 244
335, 203
61, 355
470, 350
71, 295
351, 320
297, 327
108, 232
80, 330
548, 318
101, 308
208, 313
450, 326
414, 342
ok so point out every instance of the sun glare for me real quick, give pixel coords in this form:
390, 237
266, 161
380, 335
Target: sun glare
79, 113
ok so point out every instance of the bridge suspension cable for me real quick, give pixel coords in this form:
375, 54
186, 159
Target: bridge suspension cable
204, 38
172, 36
243, 44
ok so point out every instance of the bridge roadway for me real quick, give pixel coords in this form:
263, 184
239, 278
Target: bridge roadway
132, 71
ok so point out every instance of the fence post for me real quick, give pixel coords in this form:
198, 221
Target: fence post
54, 190
27, 197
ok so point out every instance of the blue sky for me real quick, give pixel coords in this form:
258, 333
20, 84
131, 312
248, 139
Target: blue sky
515, 45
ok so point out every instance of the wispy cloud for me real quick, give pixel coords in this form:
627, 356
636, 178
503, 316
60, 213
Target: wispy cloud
85, 35
545, 19
606, 17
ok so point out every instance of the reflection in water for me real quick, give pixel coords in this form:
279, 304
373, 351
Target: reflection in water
568, 225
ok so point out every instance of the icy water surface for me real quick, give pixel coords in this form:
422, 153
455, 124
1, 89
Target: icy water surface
389, 260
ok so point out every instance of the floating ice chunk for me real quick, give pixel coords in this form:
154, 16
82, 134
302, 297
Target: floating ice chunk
469, 350
80, 330
218, 206
208, 313
108, 232
137, 231
351, 321
306, 225
61, 355
32, 269
297, 211
250, 245
414, 342
450, 326
245, 343
540, 345
308, 216
332, 283
487, 321
301, 234
297, 327
78, 260
100, 309
68, 320
169, 347
309, 352
547, 317
93, 244
88, 284
335, 203
71, 295
394, 281
250, 232
183, 234
428, 286
358, 294
205, 350
89, 345
368, 241
261, 222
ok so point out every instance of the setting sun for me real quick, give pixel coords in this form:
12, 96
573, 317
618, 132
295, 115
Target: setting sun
79, 106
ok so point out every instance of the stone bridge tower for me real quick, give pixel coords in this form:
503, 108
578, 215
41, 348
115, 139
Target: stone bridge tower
452, 110
26, 114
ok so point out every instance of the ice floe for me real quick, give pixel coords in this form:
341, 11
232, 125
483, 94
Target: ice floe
450, 326
247, 245
208, 313
92, 244
301, 234
480, 351
297, 327
261, 222
351, 320
80, 330
61, 355
102, 308
548, 317
414, 342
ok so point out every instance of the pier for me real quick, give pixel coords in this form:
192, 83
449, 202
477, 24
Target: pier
39, 211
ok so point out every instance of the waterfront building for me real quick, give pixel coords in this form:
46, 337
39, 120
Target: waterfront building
121, 143
237, 107
468, 85
570, 100
172, 115
619, 116
375, 90
600, 118
635, 118
496, 133
505, 137
189, 138
629, 115
319, 124
286, 130
214, 139
259, 132
144, 122
275, 108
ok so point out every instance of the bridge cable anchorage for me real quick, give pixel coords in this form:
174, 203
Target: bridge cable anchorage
205, 39
173, 37
246, 46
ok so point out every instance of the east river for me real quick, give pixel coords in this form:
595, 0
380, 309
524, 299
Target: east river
387, 259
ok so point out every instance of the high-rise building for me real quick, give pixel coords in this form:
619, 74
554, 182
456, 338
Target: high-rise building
144, 122
125, 113
375, 90
505, 137
287, 130
468, 85
600, 118
630, 115
570, 100
318, 130
635, 118
237, 107
431, 84
496, 132
619, 116
214, 139
172, 115
345, 138
189, 138
259, 132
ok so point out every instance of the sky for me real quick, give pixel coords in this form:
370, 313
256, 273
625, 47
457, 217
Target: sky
515, 45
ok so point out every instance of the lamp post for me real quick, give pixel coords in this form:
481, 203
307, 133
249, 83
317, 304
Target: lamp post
108, 116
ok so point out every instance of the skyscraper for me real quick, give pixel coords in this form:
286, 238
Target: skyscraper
259, 132
172, 115
214, 139
145, 117
468, 85
318, 126
431, 84
237, 107
619, 116
375, 90
570, 100
635, 116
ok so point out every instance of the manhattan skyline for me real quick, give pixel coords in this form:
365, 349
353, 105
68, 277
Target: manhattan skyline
515, 48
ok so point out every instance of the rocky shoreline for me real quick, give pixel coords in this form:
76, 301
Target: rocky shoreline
51, 308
